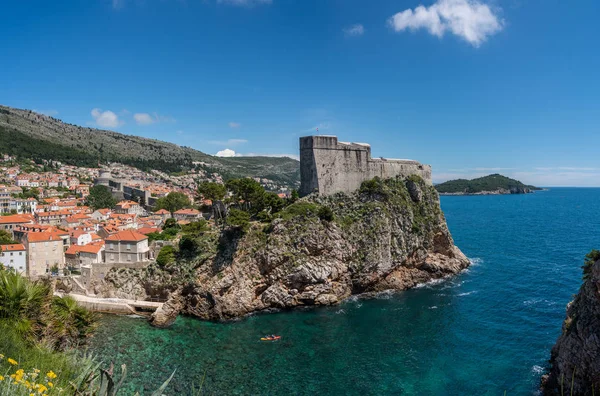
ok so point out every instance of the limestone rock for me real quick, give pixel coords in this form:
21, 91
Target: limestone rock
381, 238
167, 313
576, 354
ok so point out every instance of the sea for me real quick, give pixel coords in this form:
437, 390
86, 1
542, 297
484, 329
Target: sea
486, 331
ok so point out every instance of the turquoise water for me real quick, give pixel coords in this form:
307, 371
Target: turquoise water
486, 331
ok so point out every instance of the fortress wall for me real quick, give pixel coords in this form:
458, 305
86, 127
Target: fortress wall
329, 166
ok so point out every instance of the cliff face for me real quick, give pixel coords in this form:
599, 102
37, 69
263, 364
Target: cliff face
575, 358
389, 235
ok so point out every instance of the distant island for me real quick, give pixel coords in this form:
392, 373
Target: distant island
495, 184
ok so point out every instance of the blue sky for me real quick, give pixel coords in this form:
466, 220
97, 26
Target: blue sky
470, 87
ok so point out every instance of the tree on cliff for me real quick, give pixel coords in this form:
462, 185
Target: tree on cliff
100, 198
173, 202
216, 193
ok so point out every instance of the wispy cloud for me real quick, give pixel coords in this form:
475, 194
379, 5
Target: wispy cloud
471, 20
234, 125
245, 3
354, 30
228, 142
50, 113
148, 119
106, 119
117, 4
231, 153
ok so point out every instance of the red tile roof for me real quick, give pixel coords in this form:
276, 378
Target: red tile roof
14, 219
127, 235
12, 248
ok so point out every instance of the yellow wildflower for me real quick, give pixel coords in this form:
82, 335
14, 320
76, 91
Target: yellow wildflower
32, 394
36, 370
51, 374
12, 361
1, 378
50, 384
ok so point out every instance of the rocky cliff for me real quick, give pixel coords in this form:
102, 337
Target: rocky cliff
575, 358
388, 235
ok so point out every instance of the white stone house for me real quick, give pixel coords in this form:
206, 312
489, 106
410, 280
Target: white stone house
14, 256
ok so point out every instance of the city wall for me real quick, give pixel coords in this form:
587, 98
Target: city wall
328, 166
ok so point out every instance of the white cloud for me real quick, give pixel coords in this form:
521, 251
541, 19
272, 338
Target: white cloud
147, 119
226, 153
106, 119
234, 125
354, 30
50, 113
116, 4
144, 119
244, 3
471, 20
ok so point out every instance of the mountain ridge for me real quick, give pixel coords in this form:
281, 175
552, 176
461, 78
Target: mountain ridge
25, 132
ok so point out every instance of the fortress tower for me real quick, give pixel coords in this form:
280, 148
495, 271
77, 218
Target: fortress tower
328, 166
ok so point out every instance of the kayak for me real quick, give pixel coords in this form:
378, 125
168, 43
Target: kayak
270, 338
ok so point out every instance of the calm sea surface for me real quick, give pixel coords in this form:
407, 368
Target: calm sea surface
486, 331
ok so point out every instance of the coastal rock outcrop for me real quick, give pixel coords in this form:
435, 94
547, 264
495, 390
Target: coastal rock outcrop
575, 358
167, 313
390, 234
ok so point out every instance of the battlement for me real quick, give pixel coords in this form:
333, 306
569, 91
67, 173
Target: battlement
328, 166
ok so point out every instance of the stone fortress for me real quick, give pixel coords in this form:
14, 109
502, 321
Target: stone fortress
328, 166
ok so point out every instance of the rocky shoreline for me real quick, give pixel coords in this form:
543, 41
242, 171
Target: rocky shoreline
495, 192
389, 235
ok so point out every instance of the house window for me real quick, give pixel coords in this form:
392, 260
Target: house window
11, 253
128, 246
20, 253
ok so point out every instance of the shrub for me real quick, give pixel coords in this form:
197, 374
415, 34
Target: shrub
188, 246
300, 208
166, 256
238, 219
590, 259
375, 188
325, 213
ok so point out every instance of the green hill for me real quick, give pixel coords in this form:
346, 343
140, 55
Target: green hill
488, 184
28, 134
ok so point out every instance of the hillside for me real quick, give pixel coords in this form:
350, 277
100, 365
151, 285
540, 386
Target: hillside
27, 134
491, 184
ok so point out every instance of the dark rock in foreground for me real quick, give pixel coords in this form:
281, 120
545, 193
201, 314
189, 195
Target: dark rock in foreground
575, 358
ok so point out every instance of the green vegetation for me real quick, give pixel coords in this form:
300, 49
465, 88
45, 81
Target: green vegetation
100, 198
38, 334
300, 208
29, 193
487, 183
6, 238
590, 259
166, 256
173, 202
239, 219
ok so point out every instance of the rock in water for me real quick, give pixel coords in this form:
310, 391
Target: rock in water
390, 234
575, 358
167, 313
